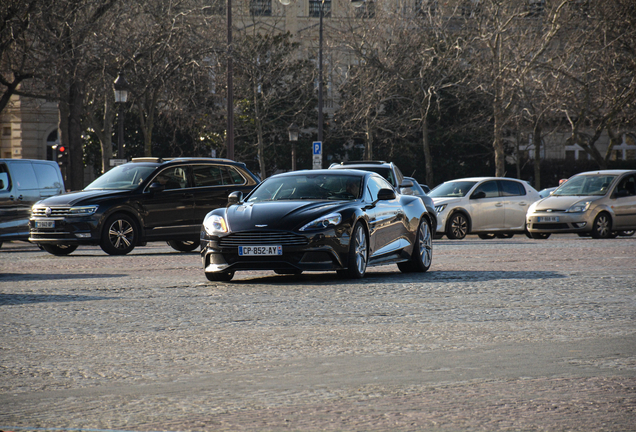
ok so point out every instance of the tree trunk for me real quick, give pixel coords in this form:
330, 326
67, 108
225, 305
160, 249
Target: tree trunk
62, 107
261, 150
426, 147
537, 155
368, 147
76, 147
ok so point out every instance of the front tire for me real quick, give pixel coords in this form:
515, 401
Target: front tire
183, 246
59, 249
219, 277
540, 236
422, 255
457, 227
358, 253
119, 235
602, 227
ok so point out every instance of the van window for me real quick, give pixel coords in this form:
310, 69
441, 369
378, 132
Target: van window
47, 176
23, 175
4, 177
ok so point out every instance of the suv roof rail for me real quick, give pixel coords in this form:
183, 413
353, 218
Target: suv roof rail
150, 159
362, 162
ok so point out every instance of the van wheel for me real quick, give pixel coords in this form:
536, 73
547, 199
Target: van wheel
59, 249
119, 235
183, 246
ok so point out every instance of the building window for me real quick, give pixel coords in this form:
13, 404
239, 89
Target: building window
6, 131
367, 10
426, 7
535, 8
315, 5
261, 7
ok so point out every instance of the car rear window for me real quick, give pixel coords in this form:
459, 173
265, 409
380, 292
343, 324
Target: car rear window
511, 188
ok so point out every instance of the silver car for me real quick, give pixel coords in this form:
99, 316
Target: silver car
486, 206
597, 203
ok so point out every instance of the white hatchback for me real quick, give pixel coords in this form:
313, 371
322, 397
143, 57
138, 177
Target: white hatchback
486, 206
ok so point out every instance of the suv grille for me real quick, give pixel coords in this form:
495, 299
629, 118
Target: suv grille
55, 211
263, 238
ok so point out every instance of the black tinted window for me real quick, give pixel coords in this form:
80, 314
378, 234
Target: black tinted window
216, 175
489, 188
512, 188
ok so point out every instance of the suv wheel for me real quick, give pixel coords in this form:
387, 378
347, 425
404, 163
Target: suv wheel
183, 246
120, 235
59, 249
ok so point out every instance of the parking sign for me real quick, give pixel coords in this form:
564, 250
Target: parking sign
317, 147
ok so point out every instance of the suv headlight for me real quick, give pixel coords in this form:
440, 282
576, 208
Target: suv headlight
440, 208
82, 210
579, 207
323, 222
215, 225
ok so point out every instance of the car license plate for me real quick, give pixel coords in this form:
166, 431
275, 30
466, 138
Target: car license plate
260, 250
548, 219
45, 224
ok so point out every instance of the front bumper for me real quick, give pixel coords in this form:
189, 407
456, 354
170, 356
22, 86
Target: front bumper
322, 252
77, 230
560, 223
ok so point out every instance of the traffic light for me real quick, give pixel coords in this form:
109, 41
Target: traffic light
61, 154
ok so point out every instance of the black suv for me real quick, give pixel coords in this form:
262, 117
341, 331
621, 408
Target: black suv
148, 199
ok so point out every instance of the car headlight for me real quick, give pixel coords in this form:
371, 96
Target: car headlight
440, 208
215, 225
323, 222
579, 207
82, 210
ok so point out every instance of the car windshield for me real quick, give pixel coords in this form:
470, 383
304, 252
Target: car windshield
122, 177
308, 187
452, 189
585, 185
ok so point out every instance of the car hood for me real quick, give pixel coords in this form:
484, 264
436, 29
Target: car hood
445, 200
553, 202
286, 215
81, 197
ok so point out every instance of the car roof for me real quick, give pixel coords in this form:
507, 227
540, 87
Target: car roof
484, 178
605, 172
346, 164
330, 172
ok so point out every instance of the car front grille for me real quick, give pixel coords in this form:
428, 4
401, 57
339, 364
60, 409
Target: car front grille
550, 226
263, 238
55, 211
550, 210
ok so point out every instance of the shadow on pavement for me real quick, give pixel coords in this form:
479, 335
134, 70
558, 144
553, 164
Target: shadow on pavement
20, 299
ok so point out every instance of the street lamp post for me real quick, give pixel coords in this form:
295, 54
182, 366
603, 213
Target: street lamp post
230, 90
293, 137
121, 96
356, 4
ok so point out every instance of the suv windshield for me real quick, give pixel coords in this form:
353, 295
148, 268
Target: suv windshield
585, 185
122, 177
308, 187
452, 189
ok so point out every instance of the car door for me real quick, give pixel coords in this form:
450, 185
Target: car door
212, 185
486, 207
624, 203
170, 213
516, 202
8, 205
385, 218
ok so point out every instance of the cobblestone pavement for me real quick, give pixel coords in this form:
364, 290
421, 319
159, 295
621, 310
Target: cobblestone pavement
500, 335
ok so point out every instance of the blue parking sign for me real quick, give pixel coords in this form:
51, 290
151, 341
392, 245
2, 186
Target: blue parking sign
317, 147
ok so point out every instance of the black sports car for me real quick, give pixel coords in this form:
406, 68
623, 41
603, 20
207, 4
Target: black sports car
343, 220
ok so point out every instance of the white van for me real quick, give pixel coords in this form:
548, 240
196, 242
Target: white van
23, 182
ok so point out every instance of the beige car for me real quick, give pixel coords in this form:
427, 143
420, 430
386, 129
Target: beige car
597, 203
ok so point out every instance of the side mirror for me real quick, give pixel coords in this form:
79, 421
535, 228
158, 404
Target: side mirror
406, 184
386, 194
235, 197
478, 195
156, 187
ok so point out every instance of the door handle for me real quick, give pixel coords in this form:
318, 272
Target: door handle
188, 195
